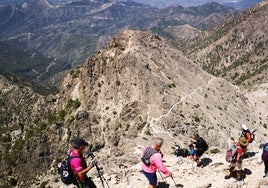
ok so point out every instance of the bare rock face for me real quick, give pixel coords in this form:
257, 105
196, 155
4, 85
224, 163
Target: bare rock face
139, 86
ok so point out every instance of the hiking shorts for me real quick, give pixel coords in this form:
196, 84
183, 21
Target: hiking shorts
151, 177
236, 166
87, 183
199, 153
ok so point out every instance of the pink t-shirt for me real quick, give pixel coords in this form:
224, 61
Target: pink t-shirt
156, 163
77, 164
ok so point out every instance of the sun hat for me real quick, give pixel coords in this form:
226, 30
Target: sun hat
243, 126
243, 141
79, 142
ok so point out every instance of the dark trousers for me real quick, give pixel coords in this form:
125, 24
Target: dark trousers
266, 167
87, 183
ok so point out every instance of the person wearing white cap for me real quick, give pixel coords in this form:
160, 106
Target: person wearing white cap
246, 134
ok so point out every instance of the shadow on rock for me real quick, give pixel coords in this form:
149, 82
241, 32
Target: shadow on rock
247, 171
178, 185
251, 154
165, 185
206, 161
162, 185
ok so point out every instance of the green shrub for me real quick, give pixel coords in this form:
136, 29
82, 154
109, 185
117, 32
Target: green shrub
214, 151
62, 114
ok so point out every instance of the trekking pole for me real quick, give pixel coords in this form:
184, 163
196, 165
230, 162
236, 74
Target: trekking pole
99, 171
173, 180
102, 178
161, 175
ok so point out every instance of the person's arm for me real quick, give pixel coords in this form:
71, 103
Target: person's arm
157, 161
84, 171
239, 155
248, 137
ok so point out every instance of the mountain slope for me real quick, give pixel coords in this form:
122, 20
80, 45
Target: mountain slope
31, 68
237, 49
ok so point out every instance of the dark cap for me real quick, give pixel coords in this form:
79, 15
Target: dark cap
79, 142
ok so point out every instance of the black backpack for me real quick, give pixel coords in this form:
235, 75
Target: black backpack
66, 174
202, 144
149, 151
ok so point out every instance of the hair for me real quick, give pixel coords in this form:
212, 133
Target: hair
158, 141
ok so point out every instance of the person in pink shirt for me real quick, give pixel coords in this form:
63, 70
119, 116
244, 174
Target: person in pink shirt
152, 161
79, 165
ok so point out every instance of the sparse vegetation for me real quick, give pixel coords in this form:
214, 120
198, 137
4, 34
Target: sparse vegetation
215, 151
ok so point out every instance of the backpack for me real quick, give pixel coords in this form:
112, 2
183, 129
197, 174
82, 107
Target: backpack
252, 135
202, 144
66, 174
231, 154
148, 152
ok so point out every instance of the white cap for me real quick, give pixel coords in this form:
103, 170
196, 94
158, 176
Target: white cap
243, 126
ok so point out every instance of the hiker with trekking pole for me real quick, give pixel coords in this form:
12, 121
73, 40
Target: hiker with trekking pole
152, 160
74, 168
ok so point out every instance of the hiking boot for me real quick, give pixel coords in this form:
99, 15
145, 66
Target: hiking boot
227, 177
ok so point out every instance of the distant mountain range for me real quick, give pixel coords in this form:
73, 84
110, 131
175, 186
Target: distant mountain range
239, 4
72, 32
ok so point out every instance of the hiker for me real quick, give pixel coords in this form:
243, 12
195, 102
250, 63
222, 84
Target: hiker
178, 151
236, 164
191, 152
79, 165
154, 163
264, 157
200, 147
246, 133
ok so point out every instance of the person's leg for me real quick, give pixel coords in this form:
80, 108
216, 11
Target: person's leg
199, 153
239, 171
231, 171
265, 168
152, 179
90, 183
87, 183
